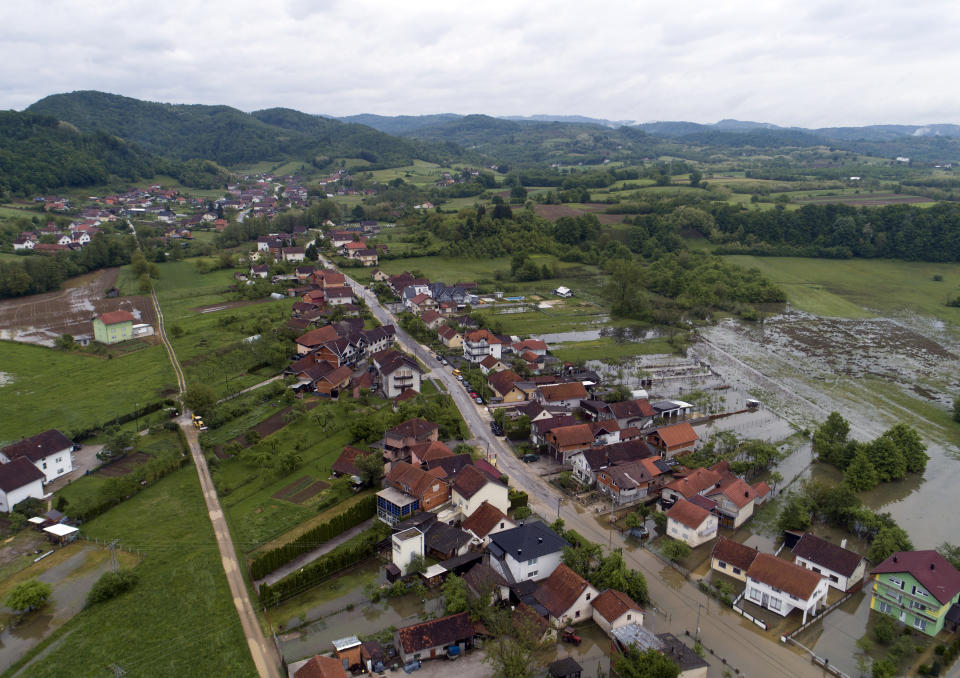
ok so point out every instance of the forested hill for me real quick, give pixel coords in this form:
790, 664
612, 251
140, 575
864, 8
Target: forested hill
353, 140
227, 135
38, 153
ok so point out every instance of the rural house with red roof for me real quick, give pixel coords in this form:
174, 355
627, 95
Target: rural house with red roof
691, 524
675, 439
113, 327
566, 596
487, 520
732, 558
843, 569
613, 609
920, 588
473, 487
429, 639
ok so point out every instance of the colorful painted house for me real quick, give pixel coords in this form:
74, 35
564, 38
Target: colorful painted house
113, 327
920, 588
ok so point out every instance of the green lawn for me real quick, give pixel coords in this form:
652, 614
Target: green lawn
179, 620
73, 391
859, 288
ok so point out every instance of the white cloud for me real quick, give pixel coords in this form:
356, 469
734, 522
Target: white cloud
814, 63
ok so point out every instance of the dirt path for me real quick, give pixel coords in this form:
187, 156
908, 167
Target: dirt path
260, 650
310, 556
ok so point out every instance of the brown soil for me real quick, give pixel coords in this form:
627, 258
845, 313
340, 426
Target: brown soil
311, 491
267, 427
125, 465
292, 488
41, 318
866, 200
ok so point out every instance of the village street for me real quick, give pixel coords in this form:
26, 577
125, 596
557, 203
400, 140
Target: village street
677, 600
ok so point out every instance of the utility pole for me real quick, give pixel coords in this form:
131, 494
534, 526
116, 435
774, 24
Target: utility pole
113, 554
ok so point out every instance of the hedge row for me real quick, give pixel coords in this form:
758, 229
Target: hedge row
342, 557
268, 561
149, 408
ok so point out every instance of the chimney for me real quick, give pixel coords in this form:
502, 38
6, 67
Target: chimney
540, 541
931, 566
843, 543
519, 551
894, 559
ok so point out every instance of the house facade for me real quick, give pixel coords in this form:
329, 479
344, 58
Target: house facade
918, 588
782, 587
407, 545
51, 452
478, 344
691, 524
530, 552
113, 327
843, 569
19, 480
613, 609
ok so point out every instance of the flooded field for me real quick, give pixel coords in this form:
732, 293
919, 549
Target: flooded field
875, 372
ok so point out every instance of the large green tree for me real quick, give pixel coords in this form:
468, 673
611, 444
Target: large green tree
28, 595
908, 442
861, 474
649, 664
888, 541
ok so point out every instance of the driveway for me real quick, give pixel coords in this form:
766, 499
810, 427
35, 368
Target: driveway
84, 460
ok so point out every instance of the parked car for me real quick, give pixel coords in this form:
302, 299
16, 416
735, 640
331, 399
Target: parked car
443, 361
495, 429
478, 399
530, 458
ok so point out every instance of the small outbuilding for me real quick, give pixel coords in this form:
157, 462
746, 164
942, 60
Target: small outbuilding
61, 534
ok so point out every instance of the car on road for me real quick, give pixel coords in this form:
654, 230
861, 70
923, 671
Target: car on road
460, 377
443, 361
495, 429
530, 458
478, 399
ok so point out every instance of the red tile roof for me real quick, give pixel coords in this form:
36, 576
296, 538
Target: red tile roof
784, 575
695, 483
318, 336
39, 446
611, 604
436, 632
484, 519
570, 391
321, 667
469, 481
568, 436
116, 317
678, 435
502, 382
929, 568
687, 513
558, 592
734, 553
346, 462
739, 493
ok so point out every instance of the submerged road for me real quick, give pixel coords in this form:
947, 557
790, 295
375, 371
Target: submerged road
677, 601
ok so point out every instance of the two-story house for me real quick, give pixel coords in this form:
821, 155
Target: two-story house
566, 596
782, 586
691, 524
613, 609
565, 441
429, 490
732, 558
50, 452
630, 481
529, 552
485, 522
672, 440
567, 395
842, 568
113, 327
920, 588
478, 344
398, 440
472, 487
398, 373
735, 502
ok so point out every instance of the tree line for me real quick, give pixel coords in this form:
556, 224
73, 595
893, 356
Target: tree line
270, 560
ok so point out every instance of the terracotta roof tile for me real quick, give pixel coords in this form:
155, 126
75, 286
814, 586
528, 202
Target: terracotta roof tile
570, 391
734, 553
611, 604
687, 513
436, 632
560, 590
484, 519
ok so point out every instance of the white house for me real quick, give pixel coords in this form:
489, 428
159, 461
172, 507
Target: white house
19, 480
567, 597
407, 545
613, 609
24, 243
485, 522
782, 586
478, 344
530, 552
473, 487
691, 524
50, 451
563, 292
841, 568
398, 373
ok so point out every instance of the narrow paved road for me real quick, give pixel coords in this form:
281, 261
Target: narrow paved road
679, 601
260, 649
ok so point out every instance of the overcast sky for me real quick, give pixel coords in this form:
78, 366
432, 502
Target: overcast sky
809, 63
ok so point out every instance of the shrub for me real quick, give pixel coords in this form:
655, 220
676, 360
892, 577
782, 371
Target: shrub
885, 630
110, 585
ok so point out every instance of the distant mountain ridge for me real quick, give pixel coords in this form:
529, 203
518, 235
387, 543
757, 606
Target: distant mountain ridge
230, 136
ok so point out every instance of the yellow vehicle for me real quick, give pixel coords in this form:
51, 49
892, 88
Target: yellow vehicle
456, 373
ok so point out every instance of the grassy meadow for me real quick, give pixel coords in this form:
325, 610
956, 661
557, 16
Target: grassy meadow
862, 288
179, 620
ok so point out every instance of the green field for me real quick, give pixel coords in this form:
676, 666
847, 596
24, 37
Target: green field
73, 391
862, 288
179, 620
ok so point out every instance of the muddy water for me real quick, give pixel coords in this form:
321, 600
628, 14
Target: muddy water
365, 619
66, 600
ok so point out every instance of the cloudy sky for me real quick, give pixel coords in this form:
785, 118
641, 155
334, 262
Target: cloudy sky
810, 63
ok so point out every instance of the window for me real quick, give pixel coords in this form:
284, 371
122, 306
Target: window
896, 582
531, 575
736, 570
774, 603
44, 466
920, 592
884, 607
59, 459
532, 561
588, 596
576, 614
920, 623
629, 617
755, 594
